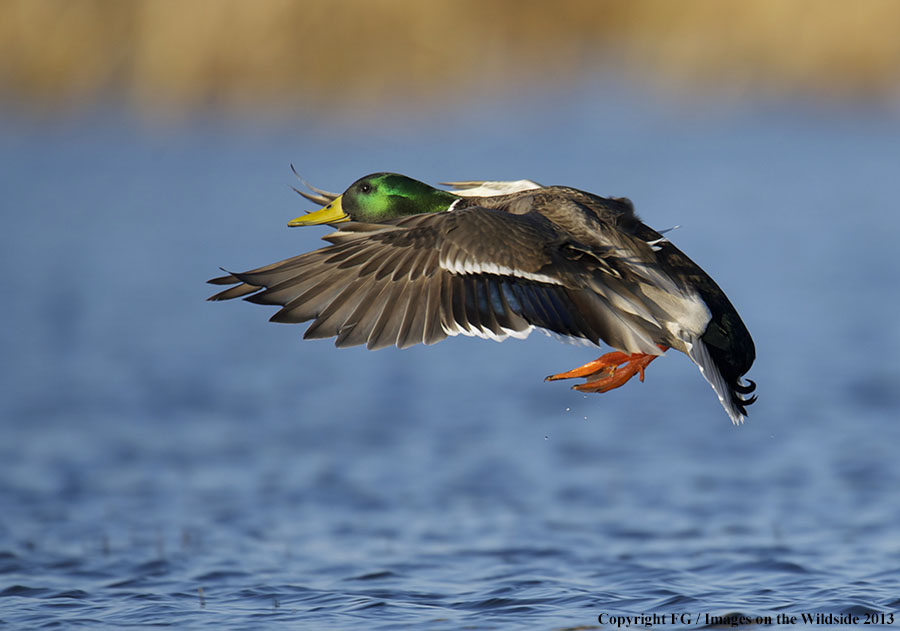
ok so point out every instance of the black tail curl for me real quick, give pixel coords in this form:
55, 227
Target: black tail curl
738, 389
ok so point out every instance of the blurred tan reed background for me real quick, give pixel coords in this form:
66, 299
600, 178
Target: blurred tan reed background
354, 55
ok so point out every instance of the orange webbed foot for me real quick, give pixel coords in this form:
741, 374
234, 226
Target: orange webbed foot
600, 366
609, 371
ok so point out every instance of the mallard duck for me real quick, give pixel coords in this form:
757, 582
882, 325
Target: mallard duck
411, 263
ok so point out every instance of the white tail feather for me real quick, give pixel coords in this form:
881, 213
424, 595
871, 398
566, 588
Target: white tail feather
700, 356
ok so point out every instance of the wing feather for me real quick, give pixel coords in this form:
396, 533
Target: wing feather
384, 332
359, 325
412, 330
477, 271
334, 317
433, 329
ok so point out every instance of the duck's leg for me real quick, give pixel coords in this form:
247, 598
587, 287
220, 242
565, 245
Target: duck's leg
608, 372
605, 365
618, 376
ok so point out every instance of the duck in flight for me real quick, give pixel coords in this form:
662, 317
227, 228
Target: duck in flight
412, 264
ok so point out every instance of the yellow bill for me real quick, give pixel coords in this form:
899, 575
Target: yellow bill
332, 213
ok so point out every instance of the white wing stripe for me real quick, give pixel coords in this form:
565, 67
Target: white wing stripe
467, 265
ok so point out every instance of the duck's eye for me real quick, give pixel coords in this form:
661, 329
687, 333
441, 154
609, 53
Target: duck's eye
365, 188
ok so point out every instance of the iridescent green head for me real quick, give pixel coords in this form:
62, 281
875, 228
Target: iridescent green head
380, 197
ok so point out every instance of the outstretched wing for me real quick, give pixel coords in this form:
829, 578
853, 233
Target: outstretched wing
475, 271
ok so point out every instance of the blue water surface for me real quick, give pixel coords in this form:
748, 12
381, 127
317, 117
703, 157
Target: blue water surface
167, 461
